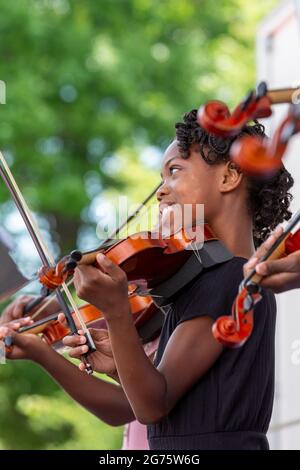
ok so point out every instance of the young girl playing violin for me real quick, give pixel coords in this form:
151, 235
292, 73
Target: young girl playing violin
197, 394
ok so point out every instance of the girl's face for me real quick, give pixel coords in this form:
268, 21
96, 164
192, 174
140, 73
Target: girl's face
189, 181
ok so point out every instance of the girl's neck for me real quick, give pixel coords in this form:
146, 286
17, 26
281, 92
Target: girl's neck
235, 233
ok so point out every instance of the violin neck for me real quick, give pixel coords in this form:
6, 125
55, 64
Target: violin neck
89, 258
35, 327
277, 250
282, 95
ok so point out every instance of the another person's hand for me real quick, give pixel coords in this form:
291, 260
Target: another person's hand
15, 310
279, 275
25, 346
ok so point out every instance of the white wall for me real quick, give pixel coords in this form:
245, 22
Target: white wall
278, 62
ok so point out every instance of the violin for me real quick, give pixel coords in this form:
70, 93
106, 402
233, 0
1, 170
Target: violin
147, 259
258, 156
216, 118
234, 330
52, 331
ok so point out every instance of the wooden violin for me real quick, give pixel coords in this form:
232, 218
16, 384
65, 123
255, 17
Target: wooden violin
216, 118
258, 156
234, 330
147, 258
147, 261
52, 331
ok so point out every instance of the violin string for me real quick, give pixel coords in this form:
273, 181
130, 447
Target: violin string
196, 250
156, 296
166, 308
197, 253
38, 235
140, 214
47, 302
143, 292
134, 215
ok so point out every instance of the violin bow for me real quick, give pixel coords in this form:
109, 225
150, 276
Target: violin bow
54, 276
132, 215
76, 255
234, 330
46, 259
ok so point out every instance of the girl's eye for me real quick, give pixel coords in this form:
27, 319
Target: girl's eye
173, 169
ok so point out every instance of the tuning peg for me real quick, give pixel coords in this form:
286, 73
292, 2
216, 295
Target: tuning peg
261, 90
247, 100
71, 265
76, 255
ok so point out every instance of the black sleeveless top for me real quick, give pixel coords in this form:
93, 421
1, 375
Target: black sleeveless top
230, 406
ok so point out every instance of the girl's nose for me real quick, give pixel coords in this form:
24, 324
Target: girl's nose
162, 191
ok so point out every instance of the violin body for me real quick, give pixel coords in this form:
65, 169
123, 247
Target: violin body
52, 331
146, 258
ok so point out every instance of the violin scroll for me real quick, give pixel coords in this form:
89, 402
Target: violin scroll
54, 276
234, 330
216, 118
257, 156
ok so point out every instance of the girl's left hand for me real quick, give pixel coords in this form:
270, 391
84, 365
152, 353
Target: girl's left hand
105, 287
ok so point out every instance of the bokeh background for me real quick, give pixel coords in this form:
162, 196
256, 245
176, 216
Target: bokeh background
93, 89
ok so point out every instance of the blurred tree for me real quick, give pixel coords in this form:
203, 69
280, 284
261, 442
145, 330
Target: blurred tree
93, 89
86, 78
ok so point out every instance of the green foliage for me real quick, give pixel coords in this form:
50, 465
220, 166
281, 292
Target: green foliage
90, 83
85, 79
35, 414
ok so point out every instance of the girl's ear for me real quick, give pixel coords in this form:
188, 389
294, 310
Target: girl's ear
231, 177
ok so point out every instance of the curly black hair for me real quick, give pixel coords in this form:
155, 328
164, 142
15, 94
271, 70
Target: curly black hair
268, 199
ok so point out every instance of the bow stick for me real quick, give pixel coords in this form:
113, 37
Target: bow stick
46, 259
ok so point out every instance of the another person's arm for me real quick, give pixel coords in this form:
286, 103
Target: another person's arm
15, 310
12, 315
105, 400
